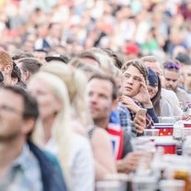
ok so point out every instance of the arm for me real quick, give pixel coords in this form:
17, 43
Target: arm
102, 150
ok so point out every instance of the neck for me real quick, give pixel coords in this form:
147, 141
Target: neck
103, 123
9, 151
47, 128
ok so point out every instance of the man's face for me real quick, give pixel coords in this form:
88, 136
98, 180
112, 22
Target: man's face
131, 81
171, 79
11, 115
100, 98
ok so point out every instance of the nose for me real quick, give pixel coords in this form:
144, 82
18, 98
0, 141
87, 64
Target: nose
93, 99
130, 80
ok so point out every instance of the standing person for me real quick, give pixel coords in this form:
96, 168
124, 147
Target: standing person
23, 166
56, 135
102, 94
76, 83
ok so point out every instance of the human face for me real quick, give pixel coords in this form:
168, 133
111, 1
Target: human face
131, 81
11, 115
100, 99
152, 90
47, 101
171, 79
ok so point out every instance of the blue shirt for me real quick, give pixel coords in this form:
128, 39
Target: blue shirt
24, 174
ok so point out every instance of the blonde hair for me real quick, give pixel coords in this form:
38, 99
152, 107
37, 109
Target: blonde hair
61, 130
76, 83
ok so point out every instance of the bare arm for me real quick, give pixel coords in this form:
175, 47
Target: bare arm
102, 150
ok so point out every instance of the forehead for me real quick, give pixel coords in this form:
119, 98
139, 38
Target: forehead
133, 71
39, 84
100, 85
171, 74
11, 98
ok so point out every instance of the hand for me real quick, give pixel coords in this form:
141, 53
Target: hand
130, 162
140, 123
129, 103
186, 117
143, 95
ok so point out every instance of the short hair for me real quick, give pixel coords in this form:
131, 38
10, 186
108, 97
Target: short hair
16, 73
30, 103
31, 65
101, 76
149, 59
137, 63
5, 59
22, 54
118, 58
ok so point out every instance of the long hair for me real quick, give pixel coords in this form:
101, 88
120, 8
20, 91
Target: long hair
76, 83
156, 99
61, 130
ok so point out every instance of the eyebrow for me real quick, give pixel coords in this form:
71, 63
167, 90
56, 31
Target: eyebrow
132, 75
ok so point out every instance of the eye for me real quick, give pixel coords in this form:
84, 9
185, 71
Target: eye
127, 75
136, 78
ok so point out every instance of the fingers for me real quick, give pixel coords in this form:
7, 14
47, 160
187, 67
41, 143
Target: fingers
140, 123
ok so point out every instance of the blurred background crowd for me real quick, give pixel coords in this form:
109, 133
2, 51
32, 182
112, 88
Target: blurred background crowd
90, 90
132, 26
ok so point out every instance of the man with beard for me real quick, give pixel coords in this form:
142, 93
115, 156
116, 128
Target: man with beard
172, 77
23, 166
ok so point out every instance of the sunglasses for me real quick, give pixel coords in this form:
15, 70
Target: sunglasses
172, 65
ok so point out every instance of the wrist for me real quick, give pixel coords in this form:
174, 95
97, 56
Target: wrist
148, 105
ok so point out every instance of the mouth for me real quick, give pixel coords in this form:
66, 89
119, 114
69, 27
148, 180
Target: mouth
128, 88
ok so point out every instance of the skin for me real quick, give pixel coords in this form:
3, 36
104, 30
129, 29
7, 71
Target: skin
14, 128
100, 104
171, 79
49, 105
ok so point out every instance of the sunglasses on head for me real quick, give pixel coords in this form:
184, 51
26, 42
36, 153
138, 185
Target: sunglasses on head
172, 65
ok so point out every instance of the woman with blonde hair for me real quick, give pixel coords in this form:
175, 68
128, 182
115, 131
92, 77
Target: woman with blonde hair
55, 133
76, 83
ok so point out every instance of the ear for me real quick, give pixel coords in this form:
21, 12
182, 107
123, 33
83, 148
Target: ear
28, 126
7, 69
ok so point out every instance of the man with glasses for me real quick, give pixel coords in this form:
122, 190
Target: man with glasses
23, 166
172, 76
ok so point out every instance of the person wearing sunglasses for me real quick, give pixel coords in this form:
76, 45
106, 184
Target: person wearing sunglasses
172, 76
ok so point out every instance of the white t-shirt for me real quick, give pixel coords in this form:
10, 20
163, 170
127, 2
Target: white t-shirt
81, 163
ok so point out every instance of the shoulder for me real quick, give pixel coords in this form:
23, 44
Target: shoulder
100, 137
51, 172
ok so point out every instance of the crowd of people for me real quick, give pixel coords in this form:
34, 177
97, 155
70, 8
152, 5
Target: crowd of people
80, 79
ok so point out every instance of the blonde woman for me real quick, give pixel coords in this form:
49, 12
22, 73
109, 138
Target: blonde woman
101, 145
56, 135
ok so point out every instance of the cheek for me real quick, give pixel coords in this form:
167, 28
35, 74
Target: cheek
136, 88
45, 106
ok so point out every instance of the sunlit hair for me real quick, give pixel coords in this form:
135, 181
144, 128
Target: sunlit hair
62, 131
76, 83
104, 61
137, 63
152, 59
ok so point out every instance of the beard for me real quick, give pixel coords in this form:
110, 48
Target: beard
169, 87
9, 136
